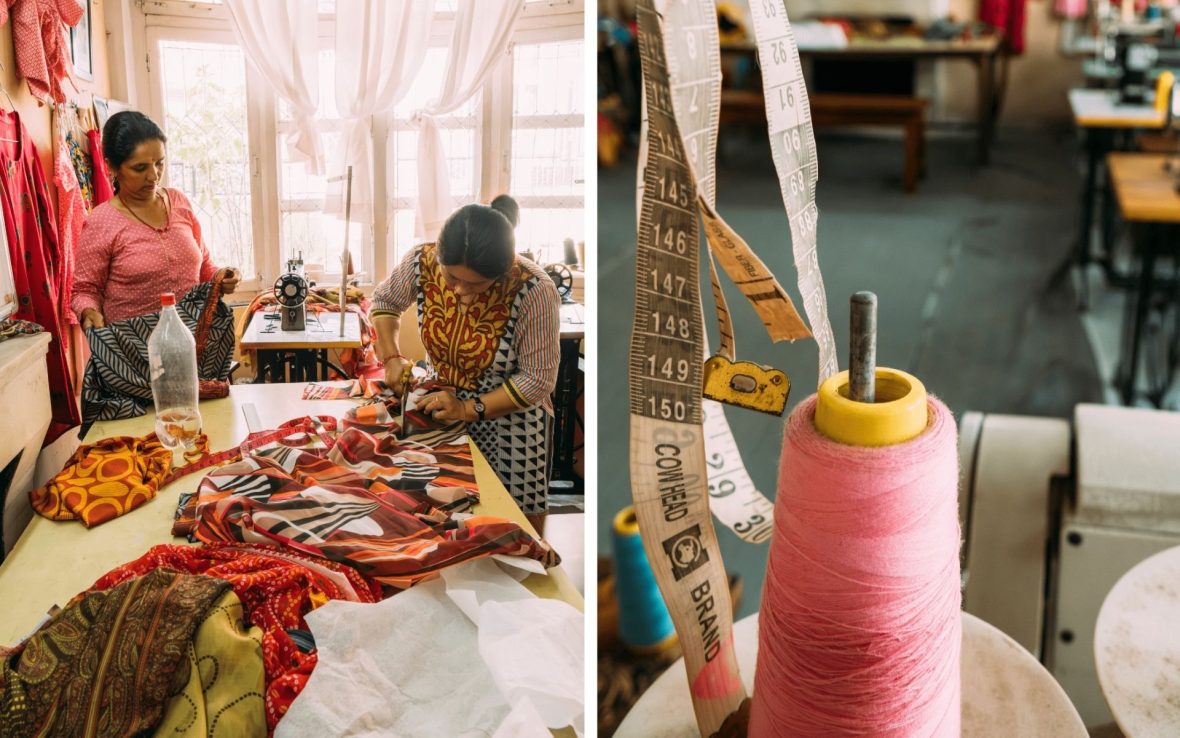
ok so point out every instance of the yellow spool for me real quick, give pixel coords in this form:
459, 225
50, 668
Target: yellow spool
626, 523
898, 415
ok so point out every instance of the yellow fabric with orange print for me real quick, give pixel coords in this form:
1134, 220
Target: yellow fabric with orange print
112, 477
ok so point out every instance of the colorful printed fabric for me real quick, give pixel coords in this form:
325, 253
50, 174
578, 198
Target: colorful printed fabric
225, 691
462, 339
277, 587
14, 328
109, 662
383, 413
104, 480
366, 388
376, 503
117, 383
83, 169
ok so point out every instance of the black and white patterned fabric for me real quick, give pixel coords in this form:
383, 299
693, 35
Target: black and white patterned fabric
515, 445
117, 382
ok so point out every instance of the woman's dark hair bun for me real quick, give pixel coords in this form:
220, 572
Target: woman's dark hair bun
480, 238
506, 206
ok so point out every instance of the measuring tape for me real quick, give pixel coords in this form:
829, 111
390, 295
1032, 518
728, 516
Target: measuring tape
668, 462
693, 64
673, 475
792, 146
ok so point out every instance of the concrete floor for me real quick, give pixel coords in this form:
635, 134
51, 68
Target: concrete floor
961, 271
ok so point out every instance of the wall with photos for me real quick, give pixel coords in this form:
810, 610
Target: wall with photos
36, 115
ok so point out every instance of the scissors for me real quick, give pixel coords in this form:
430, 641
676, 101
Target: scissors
404, 381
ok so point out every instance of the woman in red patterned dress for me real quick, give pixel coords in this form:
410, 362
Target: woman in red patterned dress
490, 323
143, 242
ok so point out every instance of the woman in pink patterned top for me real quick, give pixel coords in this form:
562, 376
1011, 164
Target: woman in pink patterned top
144, 241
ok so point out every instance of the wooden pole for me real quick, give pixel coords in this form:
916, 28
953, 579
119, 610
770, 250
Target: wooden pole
344, 260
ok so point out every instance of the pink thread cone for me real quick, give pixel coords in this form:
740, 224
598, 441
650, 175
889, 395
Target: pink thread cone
859, 629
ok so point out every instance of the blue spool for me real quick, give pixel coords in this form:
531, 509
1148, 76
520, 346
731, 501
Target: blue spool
644, 622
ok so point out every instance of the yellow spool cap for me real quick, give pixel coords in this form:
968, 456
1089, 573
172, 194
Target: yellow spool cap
626, 524
898, 415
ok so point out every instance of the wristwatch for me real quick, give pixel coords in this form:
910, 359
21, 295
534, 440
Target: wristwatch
479, 409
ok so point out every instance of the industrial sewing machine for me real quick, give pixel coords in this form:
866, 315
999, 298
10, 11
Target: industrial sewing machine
290, 291
1053, 515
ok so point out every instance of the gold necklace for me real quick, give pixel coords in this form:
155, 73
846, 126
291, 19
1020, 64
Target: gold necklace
159, 231
167, 214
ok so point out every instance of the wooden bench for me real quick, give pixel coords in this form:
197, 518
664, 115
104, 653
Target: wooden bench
908, 113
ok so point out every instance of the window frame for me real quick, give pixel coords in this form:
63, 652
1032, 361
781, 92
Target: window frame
541, 21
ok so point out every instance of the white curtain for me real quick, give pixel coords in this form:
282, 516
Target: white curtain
480, 41
279, 38
379, 50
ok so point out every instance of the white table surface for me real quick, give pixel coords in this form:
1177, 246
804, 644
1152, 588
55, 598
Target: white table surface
1102, 109
1006, 692
1137, 648
322, 331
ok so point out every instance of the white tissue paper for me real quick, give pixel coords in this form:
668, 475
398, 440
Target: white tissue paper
472, 654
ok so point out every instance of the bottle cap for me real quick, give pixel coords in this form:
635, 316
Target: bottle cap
167, 298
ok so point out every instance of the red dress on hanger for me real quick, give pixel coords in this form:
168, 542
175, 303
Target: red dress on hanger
1009, 17
104, 189
33, 248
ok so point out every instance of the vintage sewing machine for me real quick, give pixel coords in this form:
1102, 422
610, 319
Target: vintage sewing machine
291, 293
1053, 514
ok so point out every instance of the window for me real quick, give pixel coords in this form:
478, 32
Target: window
462, 141
259, 208
547, 164
304, 228
204, 100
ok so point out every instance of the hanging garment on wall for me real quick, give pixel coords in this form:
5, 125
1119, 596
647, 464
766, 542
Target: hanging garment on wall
108, 663
104, 189
71, 211
277, 587
382, 505
83, 170
33, 250
43, 57
1009, 17
117, 382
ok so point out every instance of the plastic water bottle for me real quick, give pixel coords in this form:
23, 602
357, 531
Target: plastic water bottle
172, 359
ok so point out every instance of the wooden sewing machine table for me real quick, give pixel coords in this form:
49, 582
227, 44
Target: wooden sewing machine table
299, 356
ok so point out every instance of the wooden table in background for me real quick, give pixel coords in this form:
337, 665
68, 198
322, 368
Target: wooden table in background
53, 561
299, 356
1102, 119
1147, 199
983, 52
